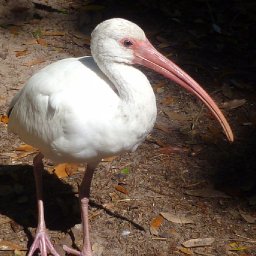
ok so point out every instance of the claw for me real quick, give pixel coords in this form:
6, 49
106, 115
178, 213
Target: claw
43, 244
77, 253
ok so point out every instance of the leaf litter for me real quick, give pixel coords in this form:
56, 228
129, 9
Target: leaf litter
199, 242
155, 224
176, 218
207, 193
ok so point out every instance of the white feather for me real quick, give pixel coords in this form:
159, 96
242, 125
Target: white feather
70, 111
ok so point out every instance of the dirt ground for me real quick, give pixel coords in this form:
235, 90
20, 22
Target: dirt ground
186, 181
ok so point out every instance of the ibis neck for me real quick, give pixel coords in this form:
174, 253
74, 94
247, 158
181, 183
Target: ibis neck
131, 84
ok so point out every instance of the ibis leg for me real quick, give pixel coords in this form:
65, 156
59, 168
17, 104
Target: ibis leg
41, 241
84, 194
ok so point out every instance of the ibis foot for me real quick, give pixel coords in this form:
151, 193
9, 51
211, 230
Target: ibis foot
43, 244
71, 251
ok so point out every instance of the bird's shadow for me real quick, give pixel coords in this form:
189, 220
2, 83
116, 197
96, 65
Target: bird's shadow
18, 199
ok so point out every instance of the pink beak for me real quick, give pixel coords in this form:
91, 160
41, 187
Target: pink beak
146, 55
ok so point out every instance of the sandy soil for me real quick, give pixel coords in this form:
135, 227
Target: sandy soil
186, 167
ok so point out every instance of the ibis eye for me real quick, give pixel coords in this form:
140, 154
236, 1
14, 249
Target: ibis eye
127, 43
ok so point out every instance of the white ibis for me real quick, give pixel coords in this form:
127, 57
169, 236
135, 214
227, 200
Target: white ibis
84, 109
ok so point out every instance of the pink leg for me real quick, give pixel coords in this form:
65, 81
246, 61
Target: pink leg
84, 194
41, 241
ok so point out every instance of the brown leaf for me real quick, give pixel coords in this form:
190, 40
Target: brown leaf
155, 224
207, 192
41, 41
4, 119
109, 159
26, 148
185, 250
121, 189
181, 219
198, 242
232, 104
247, 217
64, 170
21, 53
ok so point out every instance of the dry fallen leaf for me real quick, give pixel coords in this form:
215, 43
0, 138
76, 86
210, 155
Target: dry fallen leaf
109, 159
175, 218
41, 41
121, 189
4, 119
232, 104
236, 247
198, 242
21, 53
155, 224
64, 170
247, 217
26, 148
185, 250
207, 192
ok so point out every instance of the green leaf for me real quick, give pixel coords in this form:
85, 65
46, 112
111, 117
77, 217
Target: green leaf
125, 171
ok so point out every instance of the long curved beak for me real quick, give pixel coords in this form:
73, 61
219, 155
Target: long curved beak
145, 54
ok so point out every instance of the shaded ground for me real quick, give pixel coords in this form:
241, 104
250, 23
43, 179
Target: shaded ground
178, 169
